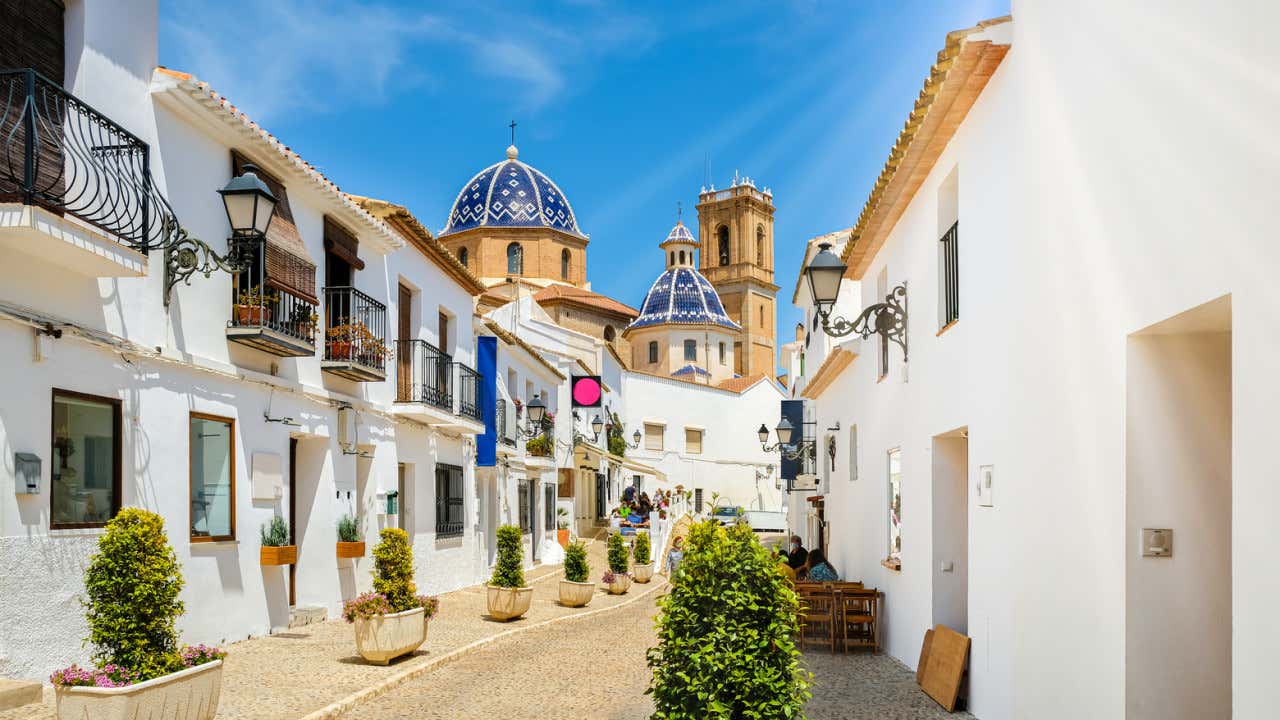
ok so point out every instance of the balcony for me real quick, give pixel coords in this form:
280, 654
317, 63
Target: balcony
506, 423
354, 347
425, 382
269, 318
75, 187
469, 393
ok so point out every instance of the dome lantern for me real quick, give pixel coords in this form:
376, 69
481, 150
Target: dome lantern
511, 194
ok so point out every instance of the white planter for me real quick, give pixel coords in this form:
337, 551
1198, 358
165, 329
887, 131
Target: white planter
382, 638
508, 603
190, 694
642, 573
576, 594
621, 583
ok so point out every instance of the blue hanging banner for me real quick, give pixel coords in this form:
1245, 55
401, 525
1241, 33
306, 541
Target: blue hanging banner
793, 411
487, 366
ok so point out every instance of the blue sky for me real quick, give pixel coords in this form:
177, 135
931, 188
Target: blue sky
623, 106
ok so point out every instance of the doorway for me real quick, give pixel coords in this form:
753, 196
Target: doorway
292, 515
951, 530
404, 332
1177, 494
534, 485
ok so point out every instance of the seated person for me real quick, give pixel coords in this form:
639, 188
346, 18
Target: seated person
798, 555
817, 569
640, 521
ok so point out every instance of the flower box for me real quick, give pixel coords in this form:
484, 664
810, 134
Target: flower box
562, 537
620, 584
281, 555
642, 573
382, 638
350, 550
190, 694
508, 603
576, 594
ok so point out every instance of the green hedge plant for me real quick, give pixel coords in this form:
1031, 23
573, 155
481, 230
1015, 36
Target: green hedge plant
642, 550
393, 570
576, 568
617, 554
726, 631
131, 596
509, 570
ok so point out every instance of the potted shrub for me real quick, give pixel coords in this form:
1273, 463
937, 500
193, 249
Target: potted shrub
350, 542
575, 591
509, 597
254, 304
276, 549
132, 607
392, 620
643, 570
704, 659
617, 577
562, 527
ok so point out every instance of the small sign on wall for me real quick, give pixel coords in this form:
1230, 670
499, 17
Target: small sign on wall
1157, 542
268, 477
985, 473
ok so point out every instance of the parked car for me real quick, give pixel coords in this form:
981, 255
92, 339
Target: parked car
727, 515
766, 521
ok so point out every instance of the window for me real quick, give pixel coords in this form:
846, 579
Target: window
681, 257
523, 491
442, 329
949, 276
653, 436
515, 259
762, 316
213, 473
609, 333
697, 499
853, 453
673, 257
464, 257
691, 350
653, 352
564, 264
549, 506
895, 505
449, 509
722, 244
723, 356
693, 441
85, 491
760, 245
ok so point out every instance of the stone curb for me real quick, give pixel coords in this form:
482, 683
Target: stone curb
336, 709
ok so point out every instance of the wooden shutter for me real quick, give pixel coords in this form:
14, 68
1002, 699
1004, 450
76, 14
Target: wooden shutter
693, 441
342, 242
653, 436
33, 37
289, 267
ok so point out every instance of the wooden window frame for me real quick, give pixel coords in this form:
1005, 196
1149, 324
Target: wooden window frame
662, 440
191, 476
653, 352
701, 438
117, 429
690, 344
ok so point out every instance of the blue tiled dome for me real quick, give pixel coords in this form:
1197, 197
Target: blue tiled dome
511, 194
682, 295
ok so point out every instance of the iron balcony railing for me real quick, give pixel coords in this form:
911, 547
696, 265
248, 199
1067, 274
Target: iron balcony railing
423, 374
505, 423
355, 328
469, 393
949, 262
256, 304
58, 152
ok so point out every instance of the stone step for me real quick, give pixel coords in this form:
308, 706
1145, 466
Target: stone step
16, 693
307, 615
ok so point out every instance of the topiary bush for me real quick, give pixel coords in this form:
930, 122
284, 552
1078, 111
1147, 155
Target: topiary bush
131, 596
617, 554
725, 633
576, 568
641, 550
393, 570
509, 570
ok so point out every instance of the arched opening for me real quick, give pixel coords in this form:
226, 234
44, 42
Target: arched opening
722, 244
681, 257
673, 257
463, 256
760, 246
564, 264
691, 350
515, 259
653, 352
609, 333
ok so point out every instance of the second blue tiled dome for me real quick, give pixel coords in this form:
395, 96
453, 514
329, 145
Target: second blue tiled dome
682, 295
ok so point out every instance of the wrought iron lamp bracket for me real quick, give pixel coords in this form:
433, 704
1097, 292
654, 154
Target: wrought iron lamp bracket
887, 319
185, 256
802, 451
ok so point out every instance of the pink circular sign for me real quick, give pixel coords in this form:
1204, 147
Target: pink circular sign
586, 391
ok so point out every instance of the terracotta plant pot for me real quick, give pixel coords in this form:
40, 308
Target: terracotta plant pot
576, 594
283, 555
350, 550
339, 350
249, 314
382, 638
508, 603
562, 536
620, 585
190, 694
642, 573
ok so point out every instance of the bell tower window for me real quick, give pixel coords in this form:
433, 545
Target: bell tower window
722, 244
564, 264
463, 257
760, 245
515, 259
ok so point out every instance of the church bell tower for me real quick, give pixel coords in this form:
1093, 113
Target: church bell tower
735, 230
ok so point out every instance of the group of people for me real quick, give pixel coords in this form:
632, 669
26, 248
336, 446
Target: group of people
810, 565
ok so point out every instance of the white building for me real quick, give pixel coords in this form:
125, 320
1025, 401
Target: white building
1078, 210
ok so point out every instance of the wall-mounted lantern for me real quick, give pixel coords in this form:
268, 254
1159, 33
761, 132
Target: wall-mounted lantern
887, 319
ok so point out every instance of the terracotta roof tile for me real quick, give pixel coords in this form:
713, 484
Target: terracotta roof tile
405, 223
568, 293
740, 384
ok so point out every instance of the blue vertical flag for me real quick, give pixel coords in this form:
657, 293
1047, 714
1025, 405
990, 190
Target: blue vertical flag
793, 411
487, 366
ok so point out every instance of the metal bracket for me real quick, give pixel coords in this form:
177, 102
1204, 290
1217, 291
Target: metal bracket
185, 256
887, 319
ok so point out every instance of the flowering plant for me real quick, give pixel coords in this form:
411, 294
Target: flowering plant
108, 676
193, 655
372, 604
609, 576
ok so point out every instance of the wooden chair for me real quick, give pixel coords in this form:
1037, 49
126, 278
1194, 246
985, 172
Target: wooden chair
857, 618
818, 618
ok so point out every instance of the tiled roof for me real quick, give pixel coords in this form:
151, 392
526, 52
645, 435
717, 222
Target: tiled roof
690, 369
412, 229
739, 384
166, 80
513, 339
567, 293
682, 296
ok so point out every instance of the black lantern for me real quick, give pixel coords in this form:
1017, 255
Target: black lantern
764, 434
596, 425
825, 273
784, 431
789, 448
537, 411
249, 203
636, 437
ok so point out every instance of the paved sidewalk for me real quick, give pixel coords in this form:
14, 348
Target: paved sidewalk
289, 675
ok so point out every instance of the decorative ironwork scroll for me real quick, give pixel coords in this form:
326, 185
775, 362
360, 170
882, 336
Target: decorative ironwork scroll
887, 319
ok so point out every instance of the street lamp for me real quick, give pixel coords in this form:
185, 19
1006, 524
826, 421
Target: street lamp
636, 437
537, 412
249, 203
802, 450
596, 426
887, 319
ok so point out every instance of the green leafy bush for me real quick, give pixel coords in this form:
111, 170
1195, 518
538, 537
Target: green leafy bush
725, 633
642, 550
131, 596
275, 533
348, 529
539, 446
617, 554
576, 568
393, 570
509, 570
